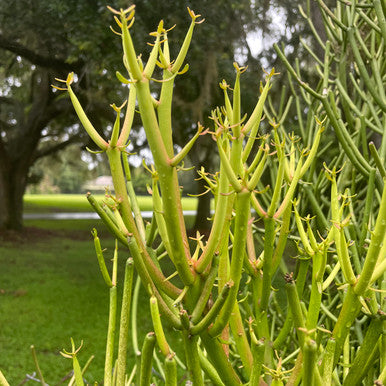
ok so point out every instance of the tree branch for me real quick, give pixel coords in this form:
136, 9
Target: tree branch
55, 148
37, 59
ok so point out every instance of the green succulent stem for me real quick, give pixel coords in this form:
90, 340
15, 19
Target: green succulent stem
109, 360
192, 358
373, 334
147, 359
125, 322
241, 224
378, 238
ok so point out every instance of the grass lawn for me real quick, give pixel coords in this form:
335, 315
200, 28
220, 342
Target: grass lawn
50, 290
41, 203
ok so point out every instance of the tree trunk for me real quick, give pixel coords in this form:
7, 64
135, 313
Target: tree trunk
12, 186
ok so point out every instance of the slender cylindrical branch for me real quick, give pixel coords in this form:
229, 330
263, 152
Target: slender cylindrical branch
220, 360
185, 45
35, 358
185, 150
110, 337
152, 61
369, 82
269, 239
209, 369
309, 359
129, 116
192, 358
170, 371
377, 160
147, 359
373, 334
220, 218
228, 169
101, 260
124, 322
258, 349
338, 233
214, 311
251, 185
205, 294
328, 362
107, 220
238, 252
252, 126
129, 50
377, 238
157, 324
91, 131
296, 309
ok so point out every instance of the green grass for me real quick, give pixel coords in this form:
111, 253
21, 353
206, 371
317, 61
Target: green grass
41, 203
51, 290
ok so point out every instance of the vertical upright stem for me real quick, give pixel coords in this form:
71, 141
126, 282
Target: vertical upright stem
110, 337
124, 323
192, 358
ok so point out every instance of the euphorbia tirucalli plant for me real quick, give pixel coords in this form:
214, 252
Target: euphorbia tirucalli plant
221, 298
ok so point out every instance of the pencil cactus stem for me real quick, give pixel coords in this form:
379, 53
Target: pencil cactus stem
309, 360
252, 126
378, 238
129, 116
370, 85
147, 359
91, 131
170, 371
292, 71
313, 151
235, 123
218, 223
290, 192
133, 198
185, 150
158, 213
185, 45
192, 358
296, 310
205, 294
152, 61
253, 181
338, 233
110, 337
377, 160
111, 225
228, 168
101, 260
228, 105
159, 332
213, 312
124, 322
129, 51
302, 233
240, 236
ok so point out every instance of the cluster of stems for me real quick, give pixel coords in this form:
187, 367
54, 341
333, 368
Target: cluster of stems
235, 326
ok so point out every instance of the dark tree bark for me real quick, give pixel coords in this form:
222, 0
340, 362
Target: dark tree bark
13, 181
20, 151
